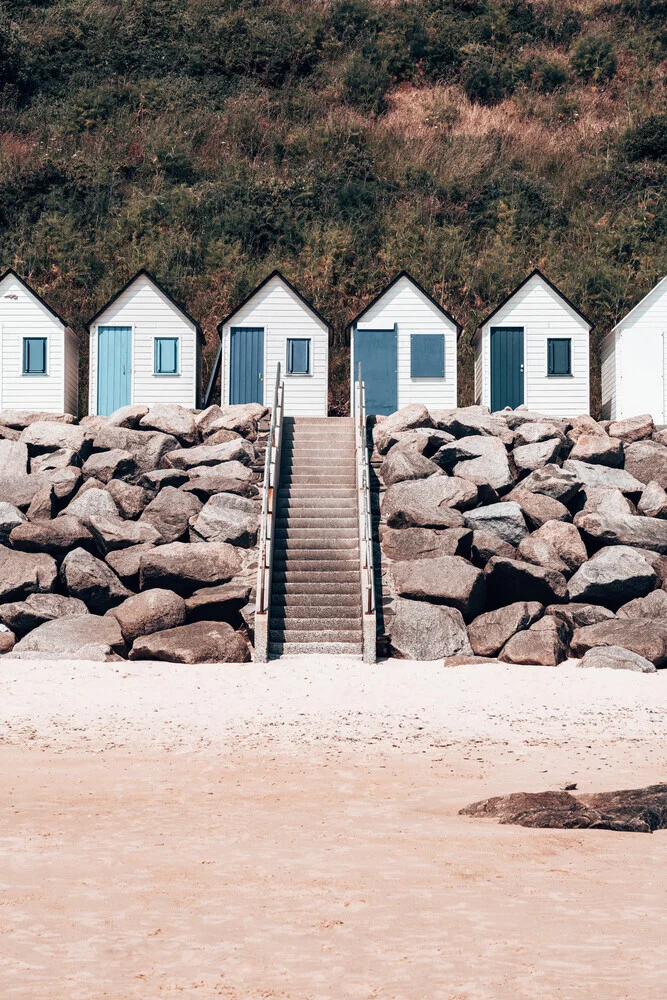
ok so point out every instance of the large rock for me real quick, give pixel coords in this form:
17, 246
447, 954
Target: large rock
242, 424
653, 502
126, 564
633, 429
645, 636
510, 580
20, 490
544, 644
603, 477
13, 458
200, 642
480, 459
422, 441
227, 518
578, 615
443, 579
647, 462
534, 431
130, 500
127, 416
149, 448
57, 537
541, 553
171, 419
468, 420
157, 479
654, 605
207, 484
170, 513
23, 616
400, 466
408, 417
552, 481
223, 603
65, 482
181, 567
92, 581
598, 449
613, 576
426, 503
618, 529
617, 658
48, 435
585, 424
489, 632
565, 540
152, 611
405, 544
529, 457
537, 508
238, 450
92, 503
502, 519
485, 545
533, 809
62, 458
72, 634
111, 533
106, 465
23, 573
10, 518
422, 631
19, 419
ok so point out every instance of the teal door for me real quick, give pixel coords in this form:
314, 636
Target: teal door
114, 368
246, 365
377, 352
506, 367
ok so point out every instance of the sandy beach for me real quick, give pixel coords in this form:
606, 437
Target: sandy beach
291, 831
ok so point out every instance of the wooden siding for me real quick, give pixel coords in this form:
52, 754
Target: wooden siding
143, 307
405, 306
543, 314
478, 371
282, 314
608, 379
71, 373
641, 345
23, 315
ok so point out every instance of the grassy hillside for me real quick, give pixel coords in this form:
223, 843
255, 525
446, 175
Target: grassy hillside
465, 140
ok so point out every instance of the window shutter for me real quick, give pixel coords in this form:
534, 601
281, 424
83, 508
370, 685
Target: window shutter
559, 357
34, 356
427, 355
166, 355
298, 357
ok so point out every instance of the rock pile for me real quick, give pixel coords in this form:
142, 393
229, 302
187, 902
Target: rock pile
515, 536
130, 536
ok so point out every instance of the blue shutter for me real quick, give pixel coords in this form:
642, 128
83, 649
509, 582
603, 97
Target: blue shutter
298, 356
166, 356
559, 356
427, 355
34, 355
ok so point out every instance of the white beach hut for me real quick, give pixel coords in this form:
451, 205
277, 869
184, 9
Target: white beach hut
144, 348
39, 360
634, 360
275, 323
405, 342
534, 349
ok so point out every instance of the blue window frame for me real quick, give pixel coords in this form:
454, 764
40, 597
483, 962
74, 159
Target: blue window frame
34, 356
427, 355
298, 356
166, 356
559, 356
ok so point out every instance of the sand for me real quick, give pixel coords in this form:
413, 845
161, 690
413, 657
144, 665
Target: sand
291, 831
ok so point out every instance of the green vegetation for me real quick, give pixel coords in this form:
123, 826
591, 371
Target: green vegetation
465, 140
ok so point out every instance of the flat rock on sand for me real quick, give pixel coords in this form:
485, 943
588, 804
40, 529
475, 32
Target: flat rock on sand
200, 642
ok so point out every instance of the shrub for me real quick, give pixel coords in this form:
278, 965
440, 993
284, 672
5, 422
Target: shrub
10, 52
594, 59
487, 84
366, 82
649, 140
544, 75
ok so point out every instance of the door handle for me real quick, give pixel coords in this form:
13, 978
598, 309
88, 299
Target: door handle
260, 377
521, 367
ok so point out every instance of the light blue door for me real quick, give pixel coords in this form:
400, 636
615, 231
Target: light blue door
377, 352
246, 364
114, 368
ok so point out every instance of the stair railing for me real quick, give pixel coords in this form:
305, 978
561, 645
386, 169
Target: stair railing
365, 524
268, 521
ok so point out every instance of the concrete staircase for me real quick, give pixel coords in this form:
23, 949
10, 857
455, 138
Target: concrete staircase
316, 595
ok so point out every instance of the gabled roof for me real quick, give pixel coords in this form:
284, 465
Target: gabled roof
274, 274
35, 294
406, 274
533, 274
143, 273
649, 295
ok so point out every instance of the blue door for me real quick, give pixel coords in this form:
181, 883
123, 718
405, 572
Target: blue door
377, 352
114, 368
246, 365
506, 367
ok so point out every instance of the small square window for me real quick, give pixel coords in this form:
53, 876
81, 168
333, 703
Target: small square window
427, 355
34, 355
166, 355
298, 356
559, 356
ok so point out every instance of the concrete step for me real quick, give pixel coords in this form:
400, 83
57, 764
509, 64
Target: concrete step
316, 577
316, 508
313, 635
335, 492
310, 587
288, 623
313, 548
351, 611
298, 521
277, 649
291, 563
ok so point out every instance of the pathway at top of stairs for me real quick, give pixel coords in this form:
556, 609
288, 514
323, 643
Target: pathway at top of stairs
316, 589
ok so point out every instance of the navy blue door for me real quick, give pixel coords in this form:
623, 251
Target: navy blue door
506, 367
377, 352
246, 365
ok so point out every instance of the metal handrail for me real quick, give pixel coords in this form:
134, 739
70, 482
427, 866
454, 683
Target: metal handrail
364, 495
269, 499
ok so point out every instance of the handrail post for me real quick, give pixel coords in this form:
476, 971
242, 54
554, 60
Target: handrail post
267, 524
367, 579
